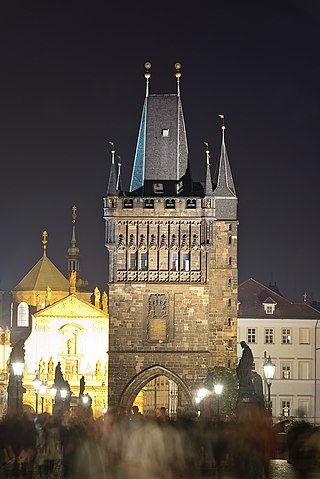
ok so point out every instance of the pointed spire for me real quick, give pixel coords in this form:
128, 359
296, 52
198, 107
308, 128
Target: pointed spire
119, 180
44, 242
177, 66
147, 76
223, 180
112, 183
208, 190
73, 251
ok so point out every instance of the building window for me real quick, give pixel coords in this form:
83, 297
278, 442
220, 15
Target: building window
23, 315
149, 204
303, 370
229, 303
286, 371
286, 336
286, 408
229, 239
251, 335
229, 261
170, 204
269, 335
133, 261
229, 283
191, 204
186, 262
143, 261
175, 262
229, 321
304, 336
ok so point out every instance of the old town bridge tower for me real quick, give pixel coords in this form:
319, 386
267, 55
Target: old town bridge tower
172, 249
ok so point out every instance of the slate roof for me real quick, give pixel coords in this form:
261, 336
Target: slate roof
252, 295
43, 274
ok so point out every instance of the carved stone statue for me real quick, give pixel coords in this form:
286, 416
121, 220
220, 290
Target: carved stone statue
97, 296
41, 366
105, 302
244, 368
50, 366
7, 338
82, 385
98, 368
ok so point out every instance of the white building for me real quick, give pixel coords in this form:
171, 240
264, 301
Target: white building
288, 332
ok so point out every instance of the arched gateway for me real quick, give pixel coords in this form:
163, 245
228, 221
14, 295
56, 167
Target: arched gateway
144, 377
172, 249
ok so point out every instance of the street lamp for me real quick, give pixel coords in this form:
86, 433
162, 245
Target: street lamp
218, 390
18, 371
36, 386
42, 390
63, 393
269, 370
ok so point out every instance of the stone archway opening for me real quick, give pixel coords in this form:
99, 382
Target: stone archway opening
157, 387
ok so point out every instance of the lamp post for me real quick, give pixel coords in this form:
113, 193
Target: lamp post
53, 392
42, 390
36, 386
269, 370
218, 390
18, 371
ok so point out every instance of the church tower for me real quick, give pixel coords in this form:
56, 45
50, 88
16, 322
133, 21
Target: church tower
172, 247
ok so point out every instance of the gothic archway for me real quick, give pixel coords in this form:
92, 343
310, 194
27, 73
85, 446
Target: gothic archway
141, 379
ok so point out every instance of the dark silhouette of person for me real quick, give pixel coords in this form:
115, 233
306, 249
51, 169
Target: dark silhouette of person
244, 368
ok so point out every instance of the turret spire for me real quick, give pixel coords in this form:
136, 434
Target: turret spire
112, 183
208, 190
73, 251
223, 180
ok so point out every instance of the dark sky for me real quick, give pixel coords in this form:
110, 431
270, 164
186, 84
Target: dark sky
72, 78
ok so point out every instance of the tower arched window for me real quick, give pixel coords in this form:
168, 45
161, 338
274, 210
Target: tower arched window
23, 314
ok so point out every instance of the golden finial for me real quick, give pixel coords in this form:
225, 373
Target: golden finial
147, 75
74, 214
223, 127
147, 66
305, 298
177, 66
44, 242
206, 144
112, 151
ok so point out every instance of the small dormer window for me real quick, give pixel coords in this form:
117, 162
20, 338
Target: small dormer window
165, 132
269, 306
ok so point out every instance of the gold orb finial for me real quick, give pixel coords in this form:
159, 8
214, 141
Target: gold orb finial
177, 66
147, 66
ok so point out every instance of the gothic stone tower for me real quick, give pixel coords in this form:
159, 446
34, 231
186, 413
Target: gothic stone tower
172, 247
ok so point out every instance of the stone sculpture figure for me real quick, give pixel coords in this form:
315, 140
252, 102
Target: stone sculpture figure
244, 368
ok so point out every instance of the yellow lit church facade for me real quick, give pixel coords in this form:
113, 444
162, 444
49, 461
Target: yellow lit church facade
60, 324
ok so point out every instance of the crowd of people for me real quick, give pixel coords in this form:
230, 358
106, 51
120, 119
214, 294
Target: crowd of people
118, 446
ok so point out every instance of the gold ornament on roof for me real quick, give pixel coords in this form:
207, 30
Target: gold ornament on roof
44, 241
74, 213
147, 66
177, 66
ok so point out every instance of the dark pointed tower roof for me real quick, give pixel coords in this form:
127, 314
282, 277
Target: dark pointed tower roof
223, 181
43, 274
112, 183
161, 158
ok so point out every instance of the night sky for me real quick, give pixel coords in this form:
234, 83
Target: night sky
72, 78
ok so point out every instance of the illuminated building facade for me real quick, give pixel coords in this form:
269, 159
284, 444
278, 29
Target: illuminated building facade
172, 247
288, 332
